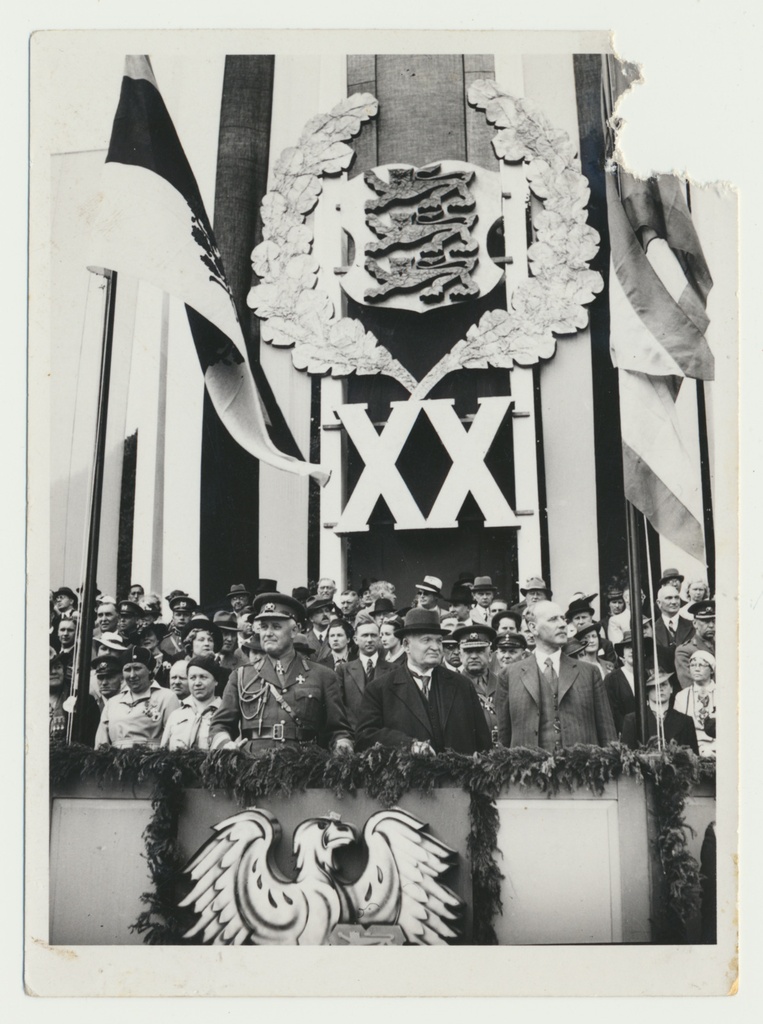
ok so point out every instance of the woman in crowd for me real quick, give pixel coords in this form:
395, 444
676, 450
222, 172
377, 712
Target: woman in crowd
339, 637
202, 637
188, 726
698, 700
694, 590
390, 644
589, 635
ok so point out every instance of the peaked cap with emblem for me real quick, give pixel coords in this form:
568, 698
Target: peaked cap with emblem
702, 610
129, 608
511, 642
277, 606
473, 637
182, 603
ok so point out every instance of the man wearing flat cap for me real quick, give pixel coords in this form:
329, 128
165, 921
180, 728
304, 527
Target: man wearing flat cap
548, 699
420, 705
281, 698
474, 647
139, 712
703, 639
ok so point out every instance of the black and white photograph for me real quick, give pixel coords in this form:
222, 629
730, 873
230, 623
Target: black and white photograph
385, 548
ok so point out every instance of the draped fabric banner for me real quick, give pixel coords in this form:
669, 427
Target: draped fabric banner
658, 293
152, 225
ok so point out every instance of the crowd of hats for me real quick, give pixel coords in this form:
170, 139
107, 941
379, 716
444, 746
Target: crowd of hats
264, 601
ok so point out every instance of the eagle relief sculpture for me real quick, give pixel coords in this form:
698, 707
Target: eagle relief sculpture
240, 896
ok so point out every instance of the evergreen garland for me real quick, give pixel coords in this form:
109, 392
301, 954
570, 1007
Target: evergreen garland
387, 775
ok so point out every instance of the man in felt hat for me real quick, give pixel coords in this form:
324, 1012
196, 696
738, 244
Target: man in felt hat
230, 655
535, 590
239, 597
428, 592
381, 610
65, 602
671, 578
319, 611
474, 648
419, 705
483, 593
139, 712
281, 698
182, 607
548, 699
460, 604
675, 725
702, 640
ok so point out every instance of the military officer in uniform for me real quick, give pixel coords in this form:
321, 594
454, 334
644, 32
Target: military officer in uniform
281, 697
128, 617
703, 639
474, 647
182, 607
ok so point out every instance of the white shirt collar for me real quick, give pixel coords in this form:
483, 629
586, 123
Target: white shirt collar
541, 659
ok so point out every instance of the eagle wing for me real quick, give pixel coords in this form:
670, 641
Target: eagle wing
401, 882
239, 895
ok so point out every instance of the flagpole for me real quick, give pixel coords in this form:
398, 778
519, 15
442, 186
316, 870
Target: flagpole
637, 629
81, 681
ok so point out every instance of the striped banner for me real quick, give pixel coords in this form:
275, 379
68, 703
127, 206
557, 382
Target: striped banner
152, 225
658, 293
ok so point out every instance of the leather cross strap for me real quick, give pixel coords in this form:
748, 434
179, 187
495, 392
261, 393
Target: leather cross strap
281, 701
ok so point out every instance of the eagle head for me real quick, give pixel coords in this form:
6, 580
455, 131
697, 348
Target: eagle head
317, 838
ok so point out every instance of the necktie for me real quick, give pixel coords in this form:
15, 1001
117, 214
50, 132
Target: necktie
551, 677
196, 727
369, 670
423, 684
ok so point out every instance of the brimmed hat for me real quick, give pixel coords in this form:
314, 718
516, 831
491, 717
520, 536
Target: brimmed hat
67, 592
625, 641
475, 636
461, 595
483, 583
702, 610
421, 620
157, 628
671, 574
211, 665
614, 591
113, 641
507, 613
238, 590
573, 647
252, 643
705, 656
661, 676
511, 642
301, 645
318, 604
301, 594
383, 606
578, 606
265, 587
271, 605
202, 622
430, 585
592, 628
226, 621
535, 583
182, 603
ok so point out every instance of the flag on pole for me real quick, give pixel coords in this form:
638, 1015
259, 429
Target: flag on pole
152, 225
659, 283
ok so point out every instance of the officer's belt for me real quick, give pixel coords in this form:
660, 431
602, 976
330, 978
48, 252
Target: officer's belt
282, 731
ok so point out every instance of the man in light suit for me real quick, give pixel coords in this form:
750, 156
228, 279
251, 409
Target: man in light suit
354, 675
419, 705
548, 699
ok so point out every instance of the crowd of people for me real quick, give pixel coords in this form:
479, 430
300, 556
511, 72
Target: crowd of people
348, 669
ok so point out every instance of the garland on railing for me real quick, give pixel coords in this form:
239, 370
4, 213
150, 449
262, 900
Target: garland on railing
387, 775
